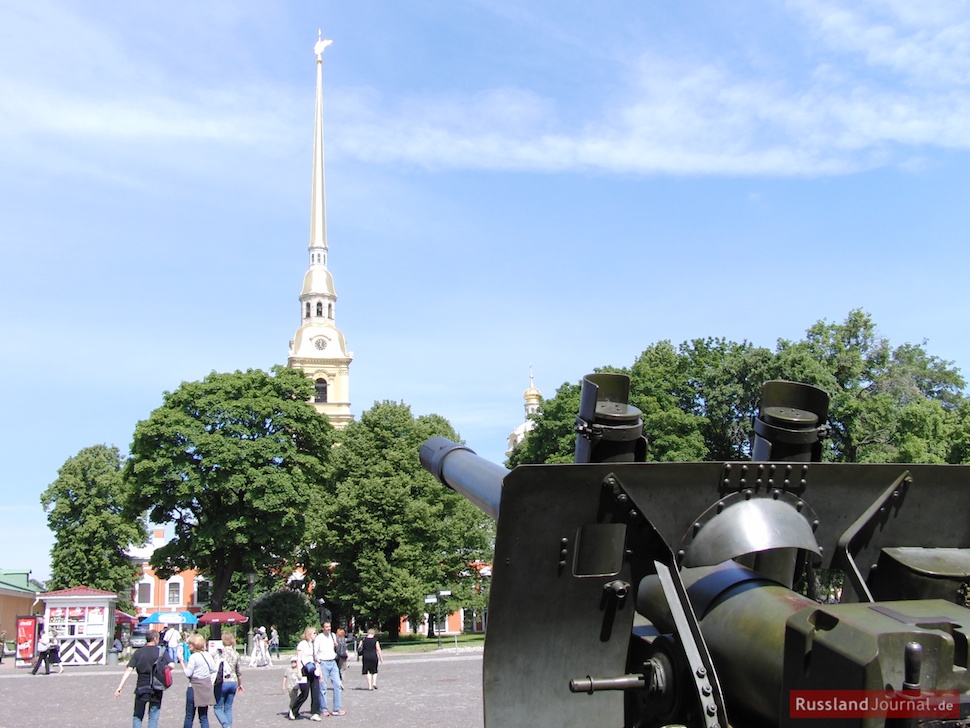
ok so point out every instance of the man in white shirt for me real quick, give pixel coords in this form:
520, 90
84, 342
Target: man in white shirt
325, 654
172, 639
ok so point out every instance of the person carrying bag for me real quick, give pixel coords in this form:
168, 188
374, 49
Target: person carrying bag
201, 672
304, 653
228, 680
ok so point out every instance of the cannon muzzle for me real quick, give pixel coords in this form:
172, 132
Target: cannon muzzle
458, 467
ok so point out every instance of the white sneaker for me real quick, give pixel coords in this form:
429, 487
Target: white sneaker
291, 716
315, 716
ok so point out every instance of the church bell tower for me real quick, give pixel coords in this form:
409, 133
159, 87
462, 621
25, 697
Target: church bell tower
319, 348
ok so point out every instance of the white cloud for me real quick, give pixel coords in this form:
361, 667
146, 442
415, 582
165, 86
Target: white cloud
209, 115
676, 115
678, 119
928, 42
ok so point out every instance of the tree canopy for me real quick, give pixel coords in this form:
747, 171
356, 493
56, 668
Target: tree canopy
251, 477
93, 528
233, 461
388, 533
888, 404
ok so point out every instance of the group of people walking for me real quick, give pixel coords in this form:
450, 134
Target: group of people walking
213, 680
319, 661
316, 662
264, 646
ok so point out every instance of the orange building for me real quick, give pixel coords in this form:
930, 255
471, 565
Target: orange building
185, 591
449, 624
462, 621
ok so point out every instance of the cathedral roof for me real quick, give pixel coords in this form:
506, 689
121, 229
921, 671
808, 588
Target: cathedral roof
532, 395
318, 280
319, 342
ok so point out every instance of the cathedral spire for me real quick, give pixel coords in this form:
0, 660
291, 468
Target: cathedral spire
318, 191
319, 348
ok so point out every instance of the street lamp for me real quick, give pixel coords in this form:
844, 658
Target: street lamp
251, 578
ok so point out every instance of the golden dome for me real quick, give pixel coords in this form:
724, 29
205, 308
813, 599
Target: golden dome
532, 395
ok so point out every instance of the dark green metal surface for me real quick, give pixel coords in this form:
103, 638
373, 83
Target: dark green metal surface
549, 620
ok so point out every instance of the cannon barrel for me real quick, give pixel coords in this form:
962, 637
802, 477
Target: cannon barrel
458, 467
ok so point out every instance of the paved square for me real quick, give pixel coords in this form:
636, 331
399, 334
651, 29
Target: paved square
443, 689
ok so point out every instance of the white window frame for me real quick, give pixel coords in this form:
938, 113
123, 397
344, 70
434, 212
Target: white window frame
174, 581
151, 590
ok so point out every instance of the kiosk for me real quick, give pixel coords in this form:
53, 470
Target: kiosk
82, 619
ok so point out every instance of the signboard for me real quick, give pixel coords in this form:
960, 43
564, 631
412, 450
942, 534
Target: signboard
78, 621
26, 632
94, 625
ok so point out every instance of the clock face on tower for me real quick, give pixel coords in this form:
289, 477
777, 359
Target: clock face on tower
320, 343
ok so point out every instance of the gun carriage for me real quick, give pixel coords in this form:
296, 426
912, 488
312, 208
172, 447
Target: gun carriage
627, 593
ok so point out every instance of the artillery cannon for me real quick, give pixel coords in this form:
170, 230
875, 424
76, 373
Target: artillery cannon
627, 593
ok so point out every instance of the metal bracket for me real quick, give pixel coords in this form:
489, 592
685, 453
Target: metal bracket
706, 687
857, 535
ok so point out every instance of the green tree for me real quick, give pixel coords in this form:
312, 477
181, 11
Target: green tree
289, 609
696, 401
888, 404
724, 386
959, 445
689, 397
93, 528
553, 439
660, 386
389, 534
233, 462
239, 597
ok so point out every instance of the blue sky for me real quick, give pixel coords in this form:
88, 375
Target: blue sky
558, 184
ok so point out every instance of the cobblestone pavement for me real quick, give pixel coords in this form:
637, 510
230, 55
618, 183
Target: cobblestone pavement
442, 688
